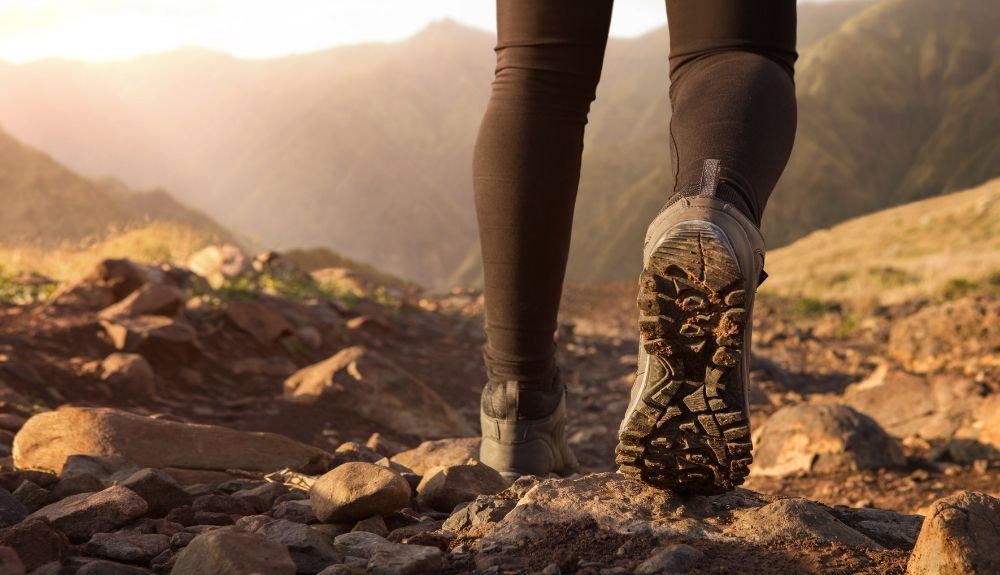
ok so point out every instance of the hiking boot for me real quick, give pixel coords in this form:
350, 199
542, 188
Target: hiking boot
687, 426
524, 430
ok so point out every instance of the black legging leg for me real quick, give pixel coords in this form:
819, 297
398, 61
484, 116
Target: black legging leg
526, 170
733, 99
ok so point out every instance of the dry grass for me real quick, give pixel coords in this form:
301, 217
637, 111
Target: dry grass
935, 248
156, 242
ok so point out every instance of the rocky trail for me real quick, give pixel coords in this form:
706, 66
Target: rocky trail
248, 419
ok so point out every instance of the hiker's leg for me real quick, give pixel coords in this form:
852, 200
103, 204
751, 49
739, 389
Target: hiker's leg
526, 170
732, 93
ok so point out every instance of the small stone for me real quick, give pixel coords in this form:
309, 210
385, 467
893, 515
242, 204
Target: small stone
34, 497
358, 543
36, 542
398, 559
261, 498
128, 375
127, 547
81, 516
484, 509
352, 451
10, 563
150, 299
160, 491
445, 487
357, 490
258, 320
101, 567
337, 569
153, 336
310, 550
436, 453
103, 467
77, 484
233, 552
297, 511
11, 509
678, 558
961, 534
374, 524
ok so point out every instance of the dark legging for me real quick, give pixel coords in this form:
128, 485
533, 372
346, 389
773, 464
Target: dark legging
733, 98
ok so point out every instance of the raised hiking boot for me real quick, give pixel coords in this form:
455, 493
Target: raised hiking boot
687, 426
524, 430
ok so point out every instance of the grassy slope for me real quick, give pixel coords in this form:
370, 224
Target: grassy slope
921, 249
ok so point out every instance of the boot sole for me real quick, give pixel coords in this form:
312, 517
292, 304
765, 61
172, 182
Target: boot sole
689, 431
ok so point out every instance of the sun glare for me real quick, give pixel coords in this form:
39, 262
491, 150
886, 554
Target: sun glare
97, 30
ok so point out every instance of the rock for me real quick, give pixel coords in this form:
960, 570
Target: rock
280, 267
76, 484
376, 389
443, 488
946, 335
358, 543
352, 451
99, 467
297, 511
158, 489
33, 497
792, 520
101, 567
233, 552
10, 563
110, 281
81, 516
310, 550
216, 503
11, 509
961, 534
398, 559
936, 406
886, 528
36, 542
128, 375
357, 490
150, 299
219, 264
677, 558
310, 336
48, 438
153, 336
823, 439
258, 320
374, 524
337, 569
261, 498
984, 427
436, 453
484, 509
127, 547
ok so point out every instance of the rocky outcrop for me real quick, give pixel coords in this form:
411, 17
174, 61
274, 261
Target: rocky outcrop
48, 439
376, 389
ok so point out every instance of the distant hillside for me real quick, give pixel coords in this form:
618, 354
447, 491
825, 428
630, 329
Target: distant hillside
48, 208
939, 247
367, 149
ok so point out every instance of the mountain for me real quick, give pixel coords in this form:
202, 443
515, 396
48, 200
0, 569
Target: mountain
367, 149
46, 204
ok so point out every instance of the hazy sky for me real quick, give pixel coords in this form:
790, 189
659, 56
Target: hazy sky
116, 29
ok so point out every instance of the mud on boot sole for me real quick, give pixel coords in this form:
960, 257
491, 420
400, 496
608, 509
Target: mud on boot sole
690, 429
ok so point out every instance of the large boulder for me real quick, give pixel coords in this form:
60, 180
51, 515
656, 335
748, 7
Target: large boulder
377, 389
961, 534
357, 490
48, 439
823, 439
